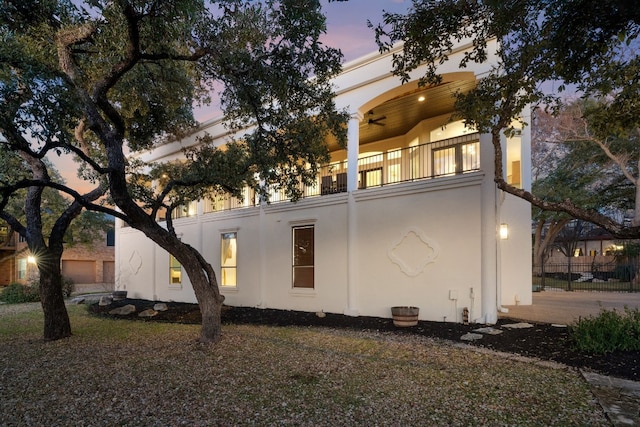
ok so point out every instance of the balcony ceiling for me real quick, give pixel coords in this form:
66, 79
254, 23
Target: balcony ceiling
399, 115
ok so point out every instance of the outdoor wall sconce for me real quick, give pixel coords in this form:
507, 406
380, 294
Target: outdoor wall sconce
504, 231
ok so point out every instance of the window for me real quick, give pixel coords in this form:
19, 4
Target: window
175, 271
22, 268
471, 156
456, 159
514, 157
394, 173
444, 161
228, 259
303, 257
111, 237
183, 211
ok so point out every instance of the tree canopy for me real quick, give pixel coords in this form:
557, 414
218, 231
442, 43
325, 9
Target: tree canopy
97, 78
587, 45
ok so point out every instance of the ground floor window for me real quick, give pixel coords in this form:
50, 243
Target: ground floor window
228, 259
175, 271
303, 257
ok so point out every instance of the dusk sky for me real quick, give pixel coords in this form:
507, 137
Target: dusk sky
347, 24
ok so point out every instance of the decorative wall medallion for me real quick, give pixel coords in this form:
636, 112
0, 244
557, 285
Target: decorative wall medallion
413, 251
135, 262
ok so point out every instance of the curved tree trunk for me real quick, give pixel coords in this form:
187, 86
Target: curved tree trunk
56, 317
205, 286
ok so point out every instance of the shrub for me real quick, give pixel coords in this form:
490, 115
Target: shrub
67, 286
17, 293
625, 273
607, 332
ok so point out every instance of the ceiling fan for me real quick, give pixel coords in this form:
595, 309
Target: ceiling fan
376, 121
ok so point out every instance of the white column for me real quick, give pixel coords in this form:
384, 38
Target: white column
490, 273
353, 134
353, 149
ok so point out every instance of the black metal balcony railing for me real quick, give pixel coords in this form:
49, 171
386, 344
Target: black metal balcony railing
441, 158
425, 161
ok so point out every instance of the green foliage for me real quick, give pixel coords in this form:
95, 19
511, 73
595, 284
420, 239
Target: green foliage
607, 332
577, 43
67, 286
17, 293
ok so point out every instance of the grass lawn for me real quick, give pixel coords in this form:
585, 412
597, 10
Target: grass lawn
117, 372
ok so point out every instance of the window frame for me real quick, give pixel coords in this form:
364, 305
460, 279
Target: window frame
458, 153
175, 266
234, 258
22, 272
299, 261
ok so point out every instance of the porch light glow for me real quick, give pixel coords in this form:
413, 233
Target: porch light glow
421, 98
504, 231
31, 259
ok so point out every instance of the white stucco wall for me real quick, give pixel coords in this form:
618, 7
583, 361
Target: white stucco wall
371, 244
398, 228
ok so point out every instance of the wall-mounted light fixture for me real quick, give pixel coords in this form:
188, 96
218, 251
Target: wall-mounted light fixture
421, 98
31, 259
504, 231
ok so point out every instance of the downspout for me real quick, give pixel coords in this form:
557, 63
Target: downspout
262, 248
153, 273
353, 148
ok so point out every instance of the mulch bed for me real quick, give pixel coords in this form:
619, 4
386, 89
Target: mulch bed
543, 341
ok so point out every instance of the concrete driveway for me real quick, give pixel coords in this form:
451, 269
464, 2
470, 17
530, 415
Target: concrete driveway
567, 307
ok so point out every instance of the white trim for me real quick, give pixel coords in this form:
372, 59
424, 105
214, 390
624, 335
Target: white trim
420, 186
303, 292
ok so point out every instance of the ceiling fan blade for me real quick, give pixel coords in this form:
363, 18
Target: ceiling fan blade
377, 121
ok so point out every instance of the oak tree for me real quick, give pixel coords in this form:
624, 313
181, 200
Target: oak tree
127, 75
587, 45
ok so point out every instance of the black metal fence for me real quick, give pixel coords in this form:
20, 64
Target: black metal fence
592, 276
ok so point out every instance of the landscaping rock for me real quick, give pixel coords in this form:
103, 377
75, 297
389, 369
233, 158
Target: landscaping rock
521, 325
160, 306
148, 313
124, 310
471, 337
321, 314
105, 300
488, 331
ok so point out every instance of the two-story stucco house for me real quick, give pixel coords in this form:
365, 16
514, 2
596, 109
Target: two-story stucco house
408, 214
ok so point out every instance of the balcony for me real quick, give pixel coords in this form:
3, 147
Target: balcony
446, 157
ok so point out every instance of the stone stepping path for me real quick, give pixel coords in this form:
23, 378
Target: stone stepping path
477, 334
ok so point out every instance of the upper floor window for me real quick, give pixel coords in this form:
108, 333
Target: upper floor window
514, 157
190, 209
111, 237
456, 159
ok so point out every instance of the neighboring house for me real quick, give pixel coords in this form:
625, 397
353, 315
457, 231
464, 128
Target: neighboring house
8, 266
83, 263
595, 242
408, 214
